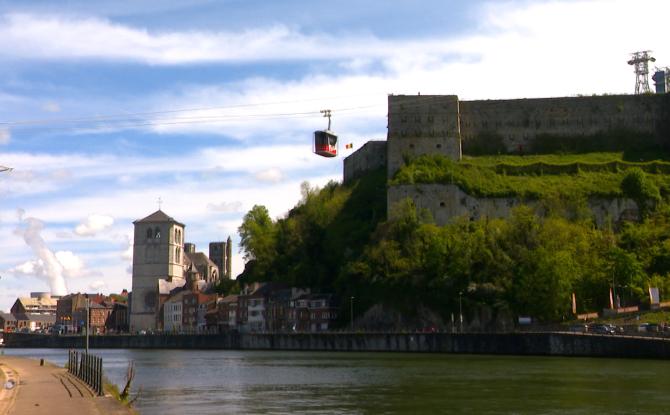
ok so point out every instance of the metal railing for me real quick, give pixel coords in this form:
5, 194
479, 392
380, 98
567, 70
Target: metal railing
88, 368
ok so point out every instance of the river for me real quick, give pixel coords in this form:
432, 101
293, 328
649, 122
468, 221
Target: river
250, 382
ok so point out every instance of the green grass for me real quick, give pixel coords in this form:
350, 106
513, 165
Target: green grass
533, 177
488, 161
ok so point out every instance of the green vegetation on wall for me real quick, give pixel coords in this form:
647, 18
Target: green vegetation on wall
534, 177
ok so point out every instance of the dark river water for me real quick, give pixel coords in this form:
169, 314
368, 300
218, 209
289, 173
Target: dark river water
249, 382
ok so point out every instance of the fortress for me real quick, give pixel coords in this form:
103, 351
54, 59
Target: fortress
442, 124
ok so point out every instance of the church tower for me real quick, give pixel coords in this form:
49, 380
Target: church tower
157, 255
221, 254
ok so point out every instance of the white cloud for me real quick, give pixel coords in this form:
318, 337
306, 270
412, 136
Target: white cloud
271, 175
73, 265
225, 207
51, 37
5, 136
97, 286
93, 225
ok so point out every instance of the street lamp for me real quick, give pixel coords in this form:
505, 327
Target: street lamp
87, 323
460, 308
352, 313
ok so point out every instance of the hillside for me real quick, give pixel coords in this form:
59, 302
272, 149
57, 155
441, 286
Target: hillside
337, 239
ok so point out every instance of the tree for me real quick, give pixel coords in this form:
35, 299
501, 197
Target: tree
258, 240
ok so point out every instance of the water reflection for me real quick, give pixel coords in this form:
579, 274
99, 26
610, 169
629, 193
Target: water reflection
216, 382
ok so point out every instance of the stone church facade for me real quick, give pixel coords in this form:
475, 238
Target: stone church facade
162, 262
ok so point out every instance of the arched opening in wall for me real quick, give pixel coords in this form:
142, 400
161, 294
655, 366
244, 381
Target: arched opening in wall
157, 233
439, 146
177, 255
150, 233
442, 204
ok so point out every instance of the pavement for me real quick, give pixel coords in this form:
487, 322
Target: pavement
49, 390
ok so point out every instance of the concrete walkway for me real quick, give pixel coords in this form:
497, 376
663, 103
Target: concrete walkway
49, 390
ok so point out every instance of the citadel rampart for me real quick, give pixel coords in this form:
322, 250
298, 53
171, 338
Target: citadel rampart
442, 124
519, 123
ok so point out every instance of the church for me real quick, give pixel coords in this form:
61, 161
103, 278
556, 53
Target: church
163, 262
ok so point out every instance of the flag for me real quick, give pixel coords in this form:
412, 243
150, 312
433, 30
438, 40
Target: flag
350, 145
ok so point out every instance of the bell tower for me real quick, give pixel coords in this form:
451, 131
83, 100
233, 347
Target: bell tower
157, 255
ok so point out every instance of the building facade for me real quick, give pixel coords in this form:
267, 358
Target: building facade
157, 254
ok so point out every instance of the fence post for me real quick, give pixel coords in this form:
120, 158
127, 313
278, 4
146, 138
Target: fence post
88, 368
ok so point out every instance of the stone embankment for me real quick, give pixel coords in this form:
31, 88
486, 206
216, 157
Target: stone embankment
538, 343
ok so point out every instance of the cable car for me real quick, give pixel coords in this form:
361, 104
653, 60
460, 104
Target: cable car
325, 141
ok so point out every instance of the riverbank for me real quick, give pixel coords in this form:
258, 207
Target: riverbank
51, 390
535, 344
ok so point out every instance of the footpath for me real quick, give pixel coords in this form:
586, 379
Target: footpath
49, 390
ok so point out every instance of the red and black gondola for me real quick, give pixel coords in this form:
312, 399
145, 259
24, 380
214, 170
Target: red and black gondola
325, 143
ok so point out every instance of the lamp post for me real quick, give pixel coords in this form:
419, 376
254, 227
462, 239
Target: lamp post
87, 323
352, 313
460, 309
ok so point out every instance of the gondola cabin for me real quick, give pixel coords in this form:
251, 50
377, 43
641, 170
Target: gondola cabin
325, 143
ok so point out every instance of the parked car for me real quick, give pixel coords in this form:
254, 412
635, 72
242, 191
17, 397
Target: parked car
648, 328
601, 329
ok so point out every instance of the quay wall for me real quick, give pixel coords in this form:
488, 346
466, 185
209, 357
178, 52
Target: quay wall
525, 343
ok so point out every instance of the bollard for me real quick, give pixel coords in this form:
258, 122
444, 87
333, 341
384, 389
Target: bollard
41, 362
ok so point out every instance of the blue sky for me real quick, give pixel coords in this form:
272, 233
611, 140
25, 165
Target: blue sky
210, 105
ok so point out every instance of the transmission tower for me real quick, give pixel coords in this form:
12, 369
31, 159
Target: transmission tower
640, 62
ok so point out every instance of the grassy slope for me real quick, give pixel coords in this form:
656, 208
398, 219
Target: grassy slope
533, 177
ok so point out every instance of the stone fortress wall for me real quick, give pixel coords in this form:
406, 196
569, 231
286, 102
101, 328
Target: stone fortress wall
441, 124
371, 156
519, 121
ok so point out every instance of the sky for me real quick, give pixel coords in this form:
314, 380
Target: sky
108, 106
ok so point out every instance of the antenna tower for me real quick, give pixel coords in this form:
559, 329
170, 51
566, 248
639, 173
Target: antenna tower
640, 62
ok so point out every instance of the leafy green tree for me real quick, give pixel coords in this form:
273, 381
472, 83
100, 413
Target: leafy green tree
258, 240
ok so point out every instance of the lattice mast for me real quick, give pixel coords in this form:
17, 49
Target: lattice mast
640, 62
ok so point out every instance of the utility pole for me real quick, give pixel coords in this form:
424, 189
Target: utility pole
460, 308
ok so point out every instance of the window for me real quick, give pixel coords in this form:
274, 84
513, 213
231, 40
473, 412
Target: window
157, 233
149, 233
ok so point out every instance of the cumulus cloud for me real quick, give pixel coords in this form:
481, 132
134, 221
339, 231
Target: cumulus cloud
93, 225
